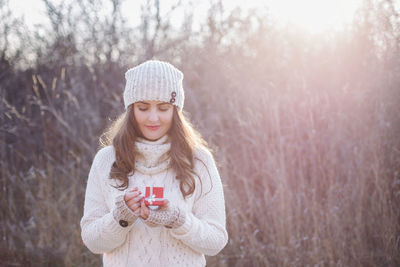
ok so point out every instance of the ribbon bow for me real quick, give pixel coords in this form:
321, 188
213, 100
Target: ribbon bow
151, 198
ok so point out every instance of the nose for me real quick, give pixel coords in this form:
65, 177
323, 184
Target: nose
153, 117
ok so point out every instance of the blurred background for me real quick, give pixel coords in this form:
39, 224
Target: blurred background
299, 99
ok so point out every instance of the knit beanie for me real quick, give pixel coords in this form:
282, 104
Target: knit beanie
154, 80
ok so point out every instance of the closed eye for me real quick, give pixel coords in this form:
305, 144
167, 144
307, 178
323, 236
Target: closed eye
160, 109
143, 106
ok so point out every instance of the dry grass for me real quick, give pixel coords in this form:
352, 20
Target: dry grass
306, 133
309, 184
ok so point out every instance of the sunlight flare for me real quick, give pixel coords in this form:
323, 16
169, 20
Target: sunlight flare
315, 15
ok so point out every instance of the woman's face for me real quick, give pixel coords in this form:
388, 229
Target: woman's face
154, 118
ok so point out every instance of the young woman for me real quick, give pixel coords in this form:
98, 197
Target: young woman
152, 145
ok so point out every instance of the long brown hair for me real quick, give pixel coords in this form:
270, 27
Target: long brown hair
123, 132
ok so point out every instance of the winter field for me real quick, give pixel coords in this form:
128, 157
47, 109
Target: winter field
305, 128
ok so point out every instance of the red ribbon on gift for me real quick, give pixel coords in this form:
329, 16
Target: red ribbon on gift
154, 196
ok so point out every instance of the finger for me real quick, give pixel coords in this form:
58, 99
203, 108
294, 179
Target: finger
144, 210
135, 198
130, 195
165, 204
132, 190
133, 206
134, 203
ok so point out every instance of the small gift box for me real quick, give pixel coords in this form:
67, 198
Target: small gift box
154, 196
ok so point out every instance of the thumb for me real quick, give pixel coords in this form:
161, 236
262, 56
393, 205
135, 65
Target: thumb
165, 205
144, 210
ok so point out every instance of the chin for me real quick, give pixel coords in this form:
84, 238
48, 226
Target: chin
153, 137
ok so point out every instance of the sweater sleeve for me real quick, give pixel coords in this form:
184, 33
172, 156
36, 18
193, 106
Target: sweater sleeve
99, 230
204, 228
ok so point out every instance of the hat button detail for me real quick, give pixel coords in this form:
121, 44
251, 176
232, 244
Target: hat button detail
173, 94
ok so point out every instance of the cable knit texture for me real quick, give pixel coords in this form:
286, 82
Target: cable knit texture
172, 217
123, 212
201, 232
154, 80
153, 156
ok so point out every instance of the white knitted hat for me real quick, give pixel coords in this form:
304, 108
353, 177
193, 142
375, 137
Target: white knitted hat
154, 80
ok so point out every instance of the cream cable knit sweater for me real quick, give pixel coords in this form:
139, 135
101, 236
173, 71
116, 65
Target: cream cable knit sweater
203, 232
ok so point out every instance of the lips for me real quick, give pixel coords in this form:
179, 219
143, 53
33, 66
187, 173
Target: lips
153, 128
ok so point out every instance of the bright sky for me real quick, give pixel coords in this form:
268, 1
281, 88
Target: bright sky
312, 15
316, 15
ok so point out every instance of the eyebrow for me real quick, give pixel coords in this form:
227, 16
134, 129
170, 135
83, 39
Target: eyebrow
159, 104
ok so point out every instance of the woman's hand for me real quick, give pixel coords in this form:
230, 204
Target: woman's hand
170, 217
132, 199
145, 211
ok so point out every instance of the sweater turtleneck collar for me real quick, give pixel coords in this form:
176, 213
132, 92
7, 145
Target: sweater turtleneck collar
153, 156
